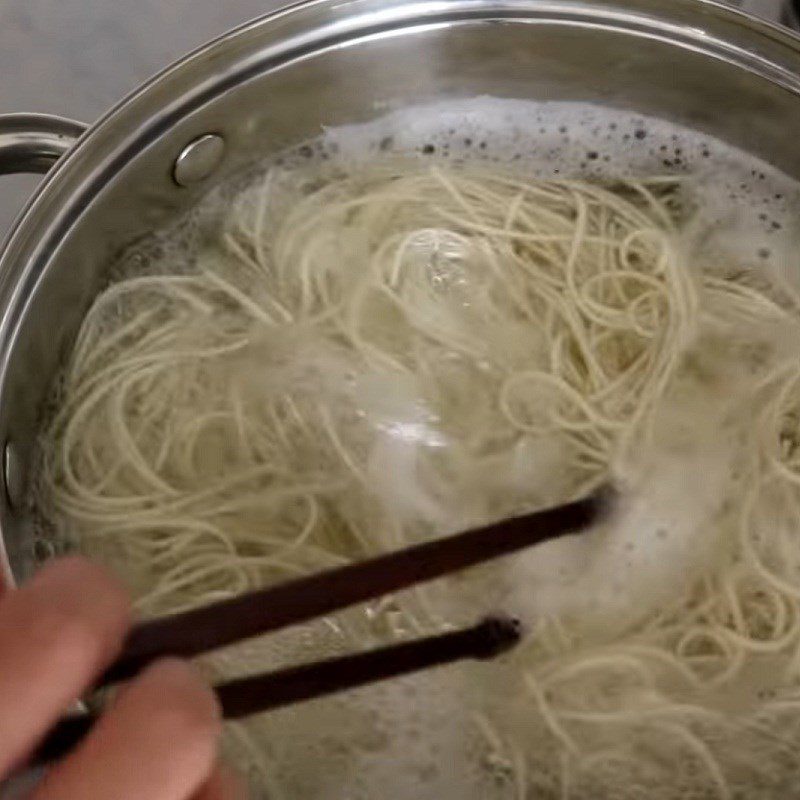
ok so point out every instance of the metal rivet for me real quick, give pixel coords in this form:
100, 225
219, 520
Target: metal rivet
198, 159
13, 476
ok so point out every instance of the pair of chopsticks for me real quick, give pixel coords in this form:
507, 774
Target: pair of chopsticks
200, 630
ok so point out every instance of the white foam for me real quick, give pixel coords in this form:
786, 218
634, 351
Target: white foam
747, 205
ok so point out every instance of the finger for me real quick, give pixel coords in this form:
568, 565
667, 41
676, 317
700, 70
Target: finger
56, 634
224, 784
157, 741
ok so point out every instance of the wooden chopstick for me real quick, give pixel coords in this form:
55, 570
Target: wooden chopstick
239, 698
214, 626
207, 628
487, 639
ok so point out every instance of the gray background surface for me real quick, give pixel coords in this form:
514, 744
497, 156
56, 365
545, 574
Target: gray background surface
79, 57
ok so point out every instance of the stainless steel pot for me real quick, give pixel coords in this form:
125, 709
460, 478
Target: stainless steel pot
276, 81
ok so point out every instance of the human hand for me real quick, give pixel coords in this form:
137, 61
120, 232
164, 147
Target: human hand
157, 740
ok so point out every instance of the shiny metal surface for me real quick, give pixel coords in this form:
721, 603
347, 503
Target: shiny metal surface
198, 160
276, 81
14, 476
29, 143
34, 142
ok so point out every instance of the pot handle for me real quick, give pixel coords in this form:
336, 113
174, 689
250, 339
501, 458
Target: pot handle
34, 142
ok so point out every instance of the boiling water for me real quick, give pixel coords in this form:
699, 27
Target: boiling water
472, 730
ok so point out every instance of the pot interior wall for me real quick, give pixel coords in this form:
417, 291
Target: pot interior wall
265, 103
